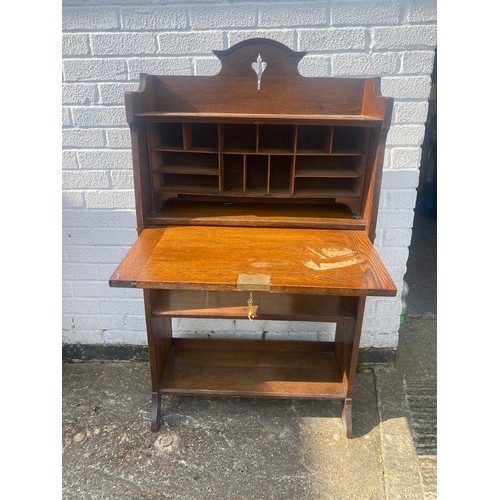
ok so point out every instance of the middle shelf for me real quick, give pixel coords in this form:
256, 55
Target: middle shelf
267, 306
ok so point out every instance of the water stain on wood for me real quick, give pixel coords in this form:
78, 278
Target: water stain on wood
332, 253
324, 266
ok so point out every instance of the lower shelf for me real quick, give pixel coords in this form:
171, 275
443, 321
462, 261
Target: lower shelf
253, 368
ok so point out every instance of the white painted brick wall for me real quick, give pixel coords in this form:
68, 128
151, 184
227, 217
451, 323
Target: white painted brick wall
286, 36
153, 19
193, 42
218, 17
331, 39
123, 43
365, 13
283, 15
79, 93
107, 43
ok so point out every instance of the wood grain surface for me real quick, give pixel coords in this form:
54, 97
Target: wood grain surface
253, 368
298, 260
220, 213
260, 203
267, 306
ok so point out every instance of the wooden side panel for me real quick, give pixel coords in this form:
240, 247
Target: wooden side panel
142, 173
353, 362
143, 99
344, 338
374, 104
347, 338
372, 209
159, 332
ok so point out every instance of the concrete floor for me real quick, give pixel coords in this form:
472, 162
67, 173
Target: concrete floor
223, 448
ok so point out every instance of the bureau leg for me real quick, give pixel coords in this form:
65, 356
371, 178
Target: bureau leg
155, 411
347, 417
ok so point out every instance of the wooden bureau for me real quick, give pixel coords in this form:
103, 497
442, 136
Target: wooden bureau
256, 197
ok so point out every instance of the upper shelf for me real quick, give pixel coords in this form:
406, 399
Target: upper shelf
358, 120
261, 77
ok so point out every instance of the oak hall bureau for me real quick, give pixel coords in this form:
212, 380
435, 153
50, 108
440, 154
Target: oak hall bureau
256, 196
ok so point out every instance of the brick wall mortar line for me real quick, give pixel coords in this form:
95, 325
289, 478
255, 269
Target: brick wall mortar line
92, 150
95, 106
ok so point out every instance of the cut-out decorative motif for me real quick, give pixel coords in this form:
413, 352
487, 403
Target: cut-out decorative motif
259, 66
